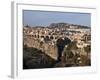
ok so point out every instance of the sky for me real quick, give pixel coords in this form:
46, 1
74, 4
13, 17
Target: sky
45, 18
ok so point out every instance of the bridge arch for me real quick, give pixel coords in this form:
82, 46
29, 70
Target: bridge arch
61, 42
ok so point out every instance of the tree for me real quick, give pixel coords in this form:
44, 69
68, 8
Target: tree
87, 49
27, 26
72, 46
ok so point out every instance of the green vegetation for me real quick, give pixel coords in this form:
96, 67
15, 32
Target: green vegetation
87, 49
72, 46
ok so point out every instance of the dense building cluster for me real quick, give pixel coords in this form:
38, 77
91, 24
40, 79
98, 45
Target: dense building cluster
46, 38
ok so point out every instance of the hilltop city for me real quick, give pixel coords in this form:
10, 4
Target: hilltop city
66, 45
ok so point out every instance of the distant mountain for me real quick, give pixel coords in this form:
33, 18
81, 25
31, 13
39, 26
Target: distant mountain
61, 25
67, 25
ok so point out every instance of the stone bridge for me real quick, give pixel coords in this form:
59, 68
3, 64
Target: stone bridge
51, 37
49, 47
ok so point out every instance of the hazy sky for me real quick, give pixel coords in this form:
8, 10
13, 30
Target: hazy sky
44, 18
